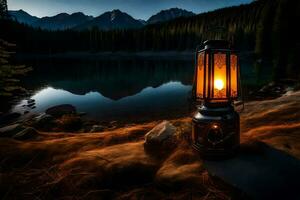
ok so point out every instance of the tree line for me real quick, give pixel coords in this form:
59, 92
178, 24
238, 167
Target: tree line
9, 74
266, 27
238, 24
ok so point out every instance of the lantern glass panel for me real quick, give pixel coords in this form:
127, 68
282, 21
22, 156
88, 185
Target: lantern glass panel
234, 75
200, 75
219, 83
207, 75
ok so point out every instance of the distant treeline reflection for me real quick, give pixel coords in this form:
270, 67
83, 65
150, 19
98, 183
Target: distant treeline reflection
112, 78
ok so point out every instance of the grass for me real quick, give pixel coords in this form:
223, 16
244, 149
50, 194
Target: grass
113, 163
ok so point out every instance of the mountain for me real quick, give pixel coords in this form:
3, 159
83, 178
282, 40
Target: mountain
166, 15
22, 17
62, 21
112, 20
144, 22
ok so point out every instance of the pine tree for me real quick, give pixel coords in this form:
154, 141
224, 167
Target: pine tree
3, 9
9, 82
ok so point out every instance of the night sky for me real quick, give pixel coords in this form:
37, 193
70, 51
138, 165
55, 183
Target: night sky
141, 9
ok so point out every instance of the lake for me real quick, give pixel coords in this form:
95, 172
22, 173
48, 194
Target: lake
130, 88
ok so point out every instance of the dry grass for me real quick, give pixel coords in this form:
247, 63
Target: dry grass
276, 122
114, 165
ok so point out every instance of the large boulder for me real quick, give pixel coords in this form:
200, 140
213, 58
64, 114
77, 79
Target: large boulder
60, 110
161, 139
11, 130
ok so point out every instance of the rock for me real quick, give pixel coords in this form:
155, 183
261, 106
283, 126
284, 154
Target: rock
11, 130
29, 101
9, 117
26, 134
30, 105
96, 128
113, 122
43, 118
162, 138
43, 122
268, 170
26, 112
60, 110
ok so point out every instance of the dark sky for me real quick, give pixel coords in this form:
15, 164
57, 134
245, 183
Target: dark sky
141, 9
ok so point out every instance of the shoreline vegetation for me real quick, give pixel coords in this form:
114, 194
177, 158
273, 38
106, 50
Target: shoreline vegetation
153, 55
120, 162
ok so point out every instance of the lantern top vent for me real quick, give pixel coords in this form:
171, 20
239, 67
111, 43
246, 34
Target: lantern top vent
216, 44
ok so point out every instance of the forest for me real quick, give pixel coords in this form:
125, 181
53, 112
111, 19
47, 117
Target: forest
266, 28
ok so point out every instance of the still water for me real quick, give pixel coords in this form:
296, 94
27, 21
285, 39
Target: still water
125, 88
132, 88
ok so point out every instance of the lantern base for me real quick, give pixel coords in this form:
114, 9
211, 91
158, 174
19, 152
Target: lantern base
216, 131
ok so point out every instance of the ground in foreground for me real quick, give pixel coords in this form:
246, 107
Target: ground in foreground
114, 163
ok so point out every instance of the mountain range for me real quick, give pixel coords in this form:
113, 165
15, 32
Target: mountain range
110, 20
23, 17
62, 21
167, 15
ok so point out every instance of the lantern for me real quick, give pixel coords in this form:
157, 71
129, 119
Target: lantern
217, 73
216, 123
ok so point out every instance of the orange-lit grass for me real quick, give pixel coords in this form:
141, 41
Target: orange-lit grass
113, 163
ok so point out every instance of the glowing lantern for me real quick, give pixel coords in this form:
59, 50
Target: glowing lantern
217, 73
216, 125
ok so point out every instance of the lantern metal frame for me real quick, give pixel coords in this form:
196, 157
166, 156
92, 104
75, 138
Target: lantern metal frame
216, 111
208, 96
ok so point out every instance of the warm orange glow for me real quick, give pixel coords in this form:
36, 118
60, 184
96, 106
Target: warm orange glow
219, 75
215, 126
233, 75
219, 84
200, 75
206, 74
214, 81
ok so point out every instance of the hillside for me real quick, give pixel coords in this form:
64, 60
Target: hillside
22, 17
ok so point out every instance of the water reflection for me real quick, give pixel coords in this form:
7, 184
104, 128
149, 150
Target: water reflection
168, 98
109, 89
